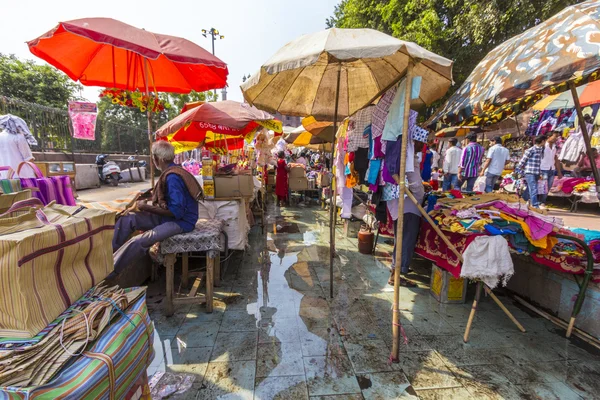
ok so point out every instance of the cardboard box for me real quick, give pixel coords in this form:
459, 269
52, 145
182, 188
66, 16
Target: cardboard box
447, 289
233, 186
298, 183
297, 172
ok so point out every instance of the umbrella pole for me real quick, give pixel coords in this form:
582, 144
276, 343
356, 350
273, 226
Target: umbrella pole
586, 137
149, 124
400, 225
332, 193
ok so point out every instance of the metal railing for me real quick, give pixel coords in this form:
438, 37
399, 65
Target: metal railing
51, 128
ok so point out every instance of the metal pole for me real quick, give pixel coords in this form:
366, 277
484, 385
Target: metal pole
149, 124
586, 137
400, 225
333, 192
212, 36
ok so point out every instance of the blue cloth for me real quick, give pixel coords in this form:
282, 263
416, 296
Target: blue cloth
374, 167
395, 119
426, 172
588, 235
181, 204
431, 202
492, 230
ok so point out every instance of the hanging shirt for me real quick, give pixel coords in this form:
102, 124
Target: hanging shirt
548, 158
471, 158
498, 155
452, 160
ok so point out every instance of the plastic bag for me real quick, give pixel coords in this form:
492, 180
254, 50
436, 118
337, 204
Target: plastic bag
542, 186
479, 185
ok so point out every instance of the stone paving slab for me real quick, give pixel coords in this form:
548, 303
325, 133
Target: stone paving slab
276, 334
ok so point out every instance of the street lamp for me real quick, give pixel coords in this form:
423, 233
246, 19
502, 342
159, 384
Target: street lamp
214, 35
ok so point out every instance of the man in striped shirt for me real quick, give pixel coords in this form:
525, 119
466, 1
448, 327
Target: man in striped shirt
469, 162
530, 166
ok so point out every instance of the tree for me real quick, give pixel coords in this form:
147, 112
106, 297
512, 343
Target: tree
461, 30
40, 84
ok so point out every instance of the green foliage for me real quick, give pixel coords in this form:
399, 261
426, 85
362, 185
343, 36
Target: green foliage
40, 84
461, 30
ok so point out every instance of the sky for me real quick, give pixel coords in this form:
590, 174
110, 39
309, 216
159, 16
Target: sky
254, 29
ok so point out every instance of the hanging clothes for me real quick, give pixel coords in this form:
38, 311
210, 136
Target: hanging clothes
357, 137
381, 111
572, 148
361, 163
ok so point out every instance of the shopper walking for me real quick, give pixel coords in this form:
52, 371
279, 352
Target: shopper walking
550, 166
469, 163
450, 167
497, 156
281, 179
529, 166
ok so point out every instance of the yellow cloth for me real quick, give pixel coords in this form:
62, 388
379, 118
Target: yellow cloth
551, 242
540, 243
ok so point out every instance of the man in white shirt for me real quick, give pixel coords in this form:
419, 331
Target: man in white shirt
302, 159
450, 167
550, 165
497, 157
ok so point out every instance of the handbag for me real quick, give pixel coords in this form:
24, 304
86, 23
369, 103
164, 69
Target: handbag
56, 188
8, 186
49, 256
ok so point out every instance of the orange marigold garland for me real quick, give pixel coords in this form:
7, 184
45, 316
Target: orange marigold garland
135, 99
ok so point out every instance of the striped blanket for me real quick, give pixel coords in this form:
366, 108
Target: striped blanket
118, 205
108, 369
48, 259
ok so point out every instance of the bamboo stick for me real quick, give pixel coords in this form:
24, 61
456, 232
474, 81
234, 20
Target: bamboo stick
577, 332
332, 192
400, 224
473, 311
149, 116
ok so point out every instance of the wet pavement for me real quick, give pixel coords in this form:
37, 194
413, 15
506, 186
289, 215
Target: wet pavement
276, 334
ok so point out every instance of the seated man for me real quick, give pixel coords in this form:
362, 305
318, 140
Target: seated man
174, 210
584, 167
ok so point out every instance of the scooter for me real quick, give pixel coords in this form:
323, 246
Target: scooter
108, 171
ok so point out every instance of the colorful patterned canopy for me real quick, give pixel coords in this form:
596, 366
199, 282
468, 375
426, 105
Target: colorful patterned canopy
520, 71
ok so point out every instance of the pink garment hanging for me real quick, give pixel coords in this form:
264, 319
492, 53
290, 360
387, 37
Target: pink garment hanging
83, 119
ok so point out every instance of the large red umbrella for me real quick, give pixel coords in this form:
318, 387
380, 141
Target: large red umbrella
106, 52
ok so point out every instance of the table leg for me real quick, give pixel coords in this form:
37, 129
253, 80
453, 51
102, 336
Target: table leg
210, 271
170, 266
508, 313
185, 266
217, 278
473, 310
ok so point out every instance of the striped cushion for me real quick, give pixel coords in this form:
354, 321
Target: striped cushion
48, 259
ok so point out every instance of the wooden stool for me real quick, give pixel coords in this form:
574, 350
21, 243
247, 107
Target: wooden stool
206, 237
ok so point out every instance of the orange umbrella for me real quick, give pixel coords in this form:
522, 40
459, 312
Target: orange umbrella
106, 52
109, 53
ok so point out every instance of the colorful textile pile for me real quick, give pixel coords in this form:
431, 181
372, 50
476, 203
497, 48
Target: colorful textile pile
526, 231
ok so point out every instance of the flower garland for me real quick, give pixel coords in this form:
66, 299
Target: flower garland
135, 100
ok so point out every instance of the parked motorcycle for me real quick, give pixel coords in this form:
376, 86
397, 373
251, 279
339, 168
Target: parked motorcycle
108, 171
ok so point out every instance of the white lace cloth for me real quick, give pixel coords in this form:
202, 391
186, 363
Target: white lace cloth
488, 258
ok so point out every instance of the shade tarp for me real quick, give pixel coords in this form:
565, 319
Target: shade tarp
301, 78
517, 73
109, 53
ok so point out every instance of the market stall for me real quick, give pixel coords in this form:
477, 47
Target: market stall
332, 61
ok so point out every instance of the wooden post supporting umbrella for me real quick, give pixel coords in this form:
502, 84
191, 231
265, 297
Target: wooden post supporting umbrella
109, 53
334, 73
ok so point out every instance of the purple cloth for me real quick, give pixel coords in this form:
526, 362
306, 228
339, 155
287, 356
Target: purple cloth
538, 227
378, 148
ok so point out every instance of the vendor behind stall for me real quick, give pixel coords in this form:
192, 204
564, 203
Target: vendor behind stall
174, 210
584, 167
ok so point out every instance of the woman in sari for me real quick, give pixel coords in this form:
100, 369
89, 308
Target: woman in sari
281, 179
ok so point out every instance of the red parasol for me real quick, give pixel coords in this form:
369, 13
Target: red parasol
106, 52
109, 53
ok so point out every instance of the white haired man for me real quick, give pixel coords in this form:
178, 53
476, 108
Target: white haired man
174, 210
